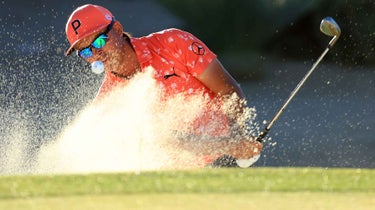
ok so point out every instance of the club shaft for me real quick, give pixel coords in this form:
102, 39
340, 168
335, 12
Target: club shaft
261, 136
297, 88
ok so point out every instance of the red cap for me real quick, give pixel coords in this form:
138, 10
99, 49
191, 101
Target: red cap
84, 21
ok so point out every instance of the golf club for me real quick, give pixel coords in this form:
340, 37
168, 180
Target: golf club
329, 27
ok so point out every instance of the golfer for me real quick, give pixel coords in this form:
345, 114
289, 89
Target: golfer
182, 64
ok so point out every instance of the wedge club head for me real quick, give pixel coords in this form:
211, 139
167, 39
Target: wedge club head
329, 27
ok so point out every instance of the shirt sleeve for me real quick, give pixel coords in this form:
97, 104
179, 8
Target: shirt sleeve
194, 54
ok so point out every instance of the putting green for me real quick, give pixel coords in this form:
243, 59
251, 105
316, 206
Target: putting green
254, 188
256, 200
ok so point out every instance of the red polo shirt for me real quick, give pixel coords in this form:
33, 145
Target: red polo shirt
177, 57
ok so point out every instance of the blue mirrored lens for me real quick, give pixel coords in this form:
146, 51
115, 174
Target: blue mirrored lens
85, 53
100, 41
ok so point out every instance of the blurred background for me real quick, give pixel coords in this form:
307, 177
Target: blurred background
268, 45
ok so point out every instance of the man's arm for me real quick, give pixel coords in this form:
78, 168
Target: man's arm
243, 149
216, 78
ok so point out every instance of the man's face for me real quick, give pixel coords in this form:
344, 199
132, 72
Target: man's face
89, 48
117, 54
104, 46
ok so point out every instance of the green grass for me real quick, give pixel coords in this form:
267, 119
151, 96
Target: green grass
194, 189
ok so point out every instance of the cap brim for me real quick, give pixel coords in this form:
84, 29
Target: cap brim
71, 49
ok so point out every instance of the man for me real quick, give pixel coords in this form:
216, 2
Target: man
182, 64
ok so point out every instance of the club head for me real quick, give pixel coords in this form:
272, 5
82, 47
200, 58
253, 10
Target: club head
329, 27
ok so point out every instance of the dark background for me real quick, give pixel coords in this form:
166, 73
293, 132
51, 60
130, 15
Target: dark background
267, 45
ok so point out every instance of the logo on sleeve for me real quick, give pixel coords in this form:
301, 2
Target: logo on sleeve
197, 48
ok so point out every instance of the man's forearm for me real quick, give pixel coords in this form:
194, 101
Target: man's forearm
242, 149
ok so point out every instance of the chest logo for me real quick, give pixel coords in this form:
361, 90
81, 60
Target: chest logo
171, 75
